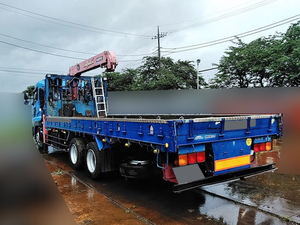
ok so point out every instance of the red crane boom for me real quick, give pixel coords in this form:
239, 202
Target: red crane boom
105, 59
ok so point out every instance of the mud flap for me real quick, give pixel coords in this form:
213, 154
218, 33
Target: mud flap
222, 178
186, 174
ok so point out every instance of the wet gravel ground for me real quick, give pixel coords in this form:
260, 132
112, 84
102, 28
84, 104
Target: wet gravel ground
269, 198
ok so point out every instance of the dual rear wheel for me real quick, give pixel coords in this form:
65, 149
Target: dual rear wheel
88, 155
92, 160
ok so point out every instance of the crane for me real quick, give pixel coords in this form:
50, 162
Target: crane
105, 59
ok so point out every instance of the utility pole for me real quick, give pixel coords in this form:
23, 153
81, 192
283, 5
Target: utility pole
198, 62
158, 37
158, 48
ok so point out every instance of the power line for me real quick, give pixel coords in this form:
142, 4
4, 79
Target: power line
48, 53
199, 18
141, 46
16, 73
67, 50
132, 55
209, 69
83, 27
227, 15
230, 38
60, 24
62, 49
134, 50
138, 61
35, 70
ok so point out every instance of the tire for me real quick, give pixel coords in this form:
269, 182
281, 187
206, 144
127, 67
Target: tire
38, 138
76, 153
252, 156
93, 160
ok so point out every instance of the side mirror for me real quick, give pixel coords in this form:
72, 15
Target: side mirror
26, 98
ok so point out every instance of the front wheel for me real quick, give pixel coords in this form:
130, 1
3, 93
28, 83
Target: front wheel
93, 160
38, 138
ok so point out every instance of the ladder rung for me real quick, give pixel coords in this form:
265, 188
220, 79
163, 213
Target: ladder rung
99, 99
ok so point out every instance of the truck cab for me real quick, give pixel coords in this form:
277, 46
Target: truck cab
37, 100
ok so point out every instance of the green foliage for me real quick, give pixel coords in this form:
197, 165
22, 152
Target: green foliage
121, 81
29, 90
265, 62
170, 75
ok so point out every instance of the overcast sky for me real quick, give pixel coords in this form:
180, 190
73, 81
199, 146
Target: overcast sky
39, 37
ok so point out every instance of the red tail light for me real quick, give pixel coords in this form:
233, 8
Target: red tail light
262, 147
192, 158
200, 157
256, 147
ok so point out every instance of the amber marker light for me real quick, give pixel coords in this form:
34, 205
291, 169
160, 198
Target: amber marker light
269, 146
183, 160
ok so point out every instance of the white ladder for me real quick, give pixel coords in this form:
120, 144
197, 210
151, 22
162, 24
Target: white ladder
99, 97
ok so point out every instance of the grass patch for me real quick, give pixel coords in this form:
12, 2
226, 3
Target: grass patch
59, 172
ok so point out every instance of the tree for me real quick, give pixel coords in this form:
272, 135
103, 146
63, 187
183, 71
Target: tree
29, 90
170, 75
233, 68
265, 62
289, 64
121, 81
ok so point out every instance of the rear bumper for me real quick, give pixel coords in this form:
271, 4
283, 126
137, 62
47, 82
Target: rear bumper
223, 178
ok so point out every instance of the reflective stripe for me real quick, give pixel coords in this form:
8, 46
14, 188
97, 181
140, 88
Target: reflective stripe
238, 161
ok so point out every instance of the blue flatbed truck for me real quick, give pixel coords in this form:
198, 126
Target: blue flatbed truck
70, 114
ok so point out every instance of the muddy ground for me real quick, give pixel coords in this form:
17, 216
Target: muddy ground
269, 198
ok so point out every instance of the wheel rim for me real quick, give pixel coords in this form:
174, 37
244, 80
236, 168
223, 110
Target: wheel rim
74, 154
37, 138
91, 161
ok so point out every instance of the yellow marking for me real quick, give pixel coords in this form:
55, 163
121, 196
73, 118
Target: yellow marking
238, 161
249, 141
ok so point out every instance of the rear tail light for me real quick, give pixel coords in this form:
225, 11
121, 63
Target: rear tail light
256, 148
183, 160
200, 157
192, 158
261, 147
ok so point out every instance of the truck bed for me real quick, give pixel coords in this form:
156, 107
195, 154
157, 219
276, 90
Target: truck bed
165, 118
176, 132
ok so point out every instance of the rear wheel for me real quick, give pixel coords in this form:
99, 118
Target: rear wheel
76, 153
252, 155
93, 160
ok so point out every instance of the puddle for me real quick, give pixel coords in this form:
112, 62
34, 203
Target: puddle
258, 200
229, 212
271, 192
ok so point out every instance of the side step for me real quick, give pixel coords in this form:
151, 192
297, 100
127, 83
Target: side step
177, 188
